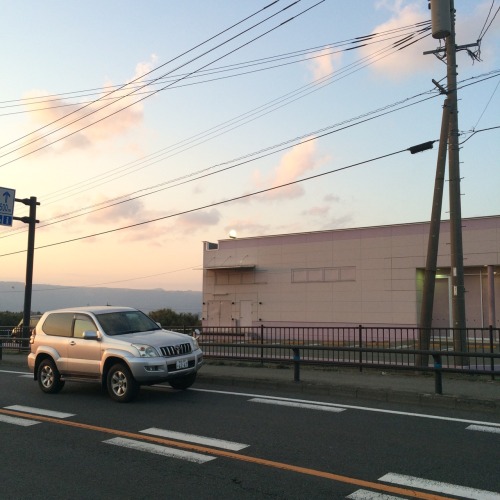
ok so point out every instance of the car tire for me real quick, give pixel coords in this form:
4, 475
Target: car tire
121, 384
49, 378
183, 383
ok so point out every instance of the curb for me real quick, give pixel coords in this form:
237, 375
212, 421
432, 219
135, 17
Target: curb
426, 400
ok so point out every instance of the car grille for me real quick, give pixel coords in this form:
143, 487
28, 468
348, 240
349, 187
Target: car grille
176, 350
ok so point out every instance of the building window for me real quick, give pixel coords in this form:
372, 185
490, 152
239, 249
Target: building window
324, 274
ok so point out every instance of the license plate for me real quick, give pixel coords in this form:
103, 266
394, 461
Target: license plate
182, 363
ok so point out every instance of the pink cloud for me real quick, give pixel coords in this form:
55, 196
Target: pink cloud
325, 64
293, 165
125, 119
403, 63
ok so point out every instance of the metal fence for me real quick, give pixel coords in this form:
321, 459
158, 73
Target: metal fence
362, 347
388, 347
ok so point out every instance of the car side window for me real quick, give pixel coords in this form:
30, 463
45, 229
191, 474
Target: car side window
83, 324
58, 324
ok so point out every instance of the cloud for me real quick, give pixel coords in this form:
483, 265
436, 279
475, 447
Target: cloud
403, 63
87, 123
294, 164
195, 221
324, 64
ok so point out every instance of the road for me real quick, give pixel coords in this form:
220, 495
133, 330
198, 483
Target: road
209, 442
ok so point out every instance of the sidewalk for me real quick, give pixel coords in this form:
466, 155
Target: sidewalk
470, 392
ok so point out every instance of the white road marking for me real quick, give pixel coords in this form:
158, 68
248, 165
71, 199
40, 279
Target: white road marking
484, 428
40, 411
193, 438
15, 373
370, 495
24, 422
351, 407
308, 406
437, 486
160, 450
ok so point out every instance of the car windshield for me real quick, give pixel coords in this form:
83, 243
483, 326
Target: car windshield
122, 322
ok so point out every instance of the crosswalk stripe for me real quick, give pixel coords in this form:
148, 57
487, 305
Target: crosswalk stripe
307, 406
193, 438
7, 419
39, 411
484, 428
370, 495
160, 450
449, 489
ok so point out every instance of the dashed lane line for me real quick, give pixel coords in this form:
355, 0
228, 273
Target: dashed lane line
378, 487
193, 438
40, 411
484, 428
292, 404
164, 451
446, 488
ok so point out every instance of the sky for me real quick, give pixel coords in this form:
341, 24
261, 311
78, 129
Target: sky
147, 128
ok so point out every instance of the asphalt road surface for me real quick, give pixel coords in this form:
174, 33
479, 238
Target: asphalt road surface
209, 442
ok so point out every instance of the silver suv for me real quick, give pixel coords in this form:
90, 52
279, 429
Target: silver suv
120, 347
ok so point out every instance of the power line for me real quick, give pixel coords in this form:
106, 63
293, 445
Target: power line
270, 150
231, 124
147, 73
211, 205
153, 92
310, 54
250, 157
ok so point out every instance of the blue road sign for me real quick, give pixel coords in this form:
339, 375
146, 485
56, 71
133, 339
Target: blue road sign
7, 198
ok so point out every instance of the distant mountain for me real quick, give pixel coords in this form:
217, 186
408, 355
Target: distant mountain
47, 297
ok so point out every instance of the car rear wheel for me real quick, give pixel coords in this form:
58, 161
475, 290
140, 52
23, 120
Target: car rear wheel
183, 382
49, 378
122, 386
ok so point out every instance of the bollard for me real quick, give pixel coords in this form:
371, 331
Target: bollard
296, 365
438, 375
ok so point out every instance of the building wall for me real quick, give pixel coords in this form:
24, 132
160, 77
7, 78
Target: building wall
370, 276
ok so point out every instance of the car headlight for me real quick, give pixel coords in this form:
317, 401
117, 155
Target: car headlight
146, 351
195, 343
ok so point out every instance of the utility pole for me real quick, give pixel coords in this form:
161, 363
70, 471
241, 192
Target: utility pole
443, 26
433, 243
457, 254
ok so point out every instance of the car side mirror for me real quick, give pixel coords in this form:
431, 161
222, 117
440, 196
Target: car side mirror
196, 333
90, 335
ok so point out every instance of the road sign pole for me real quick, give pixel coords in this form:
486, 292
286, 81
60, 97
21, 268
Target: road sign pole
31, 221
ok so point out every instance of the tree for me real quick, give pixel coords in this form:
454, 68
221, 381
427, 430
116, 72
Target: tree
8, 318
169, 318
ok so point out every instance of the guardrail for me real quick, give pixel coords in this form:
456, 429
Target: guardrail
248, 352
361, 347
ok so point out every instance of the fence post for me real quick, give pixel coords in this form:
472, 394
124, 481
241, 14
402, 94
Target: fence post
360, 342
438, 374
261, 344
296, 364
492, 349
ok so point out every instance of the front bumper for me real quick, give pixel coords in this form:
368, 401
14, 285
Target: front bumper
156, 370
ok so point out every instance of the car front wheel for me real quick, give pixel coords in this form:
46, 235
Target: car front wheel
122, 386
49, 378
